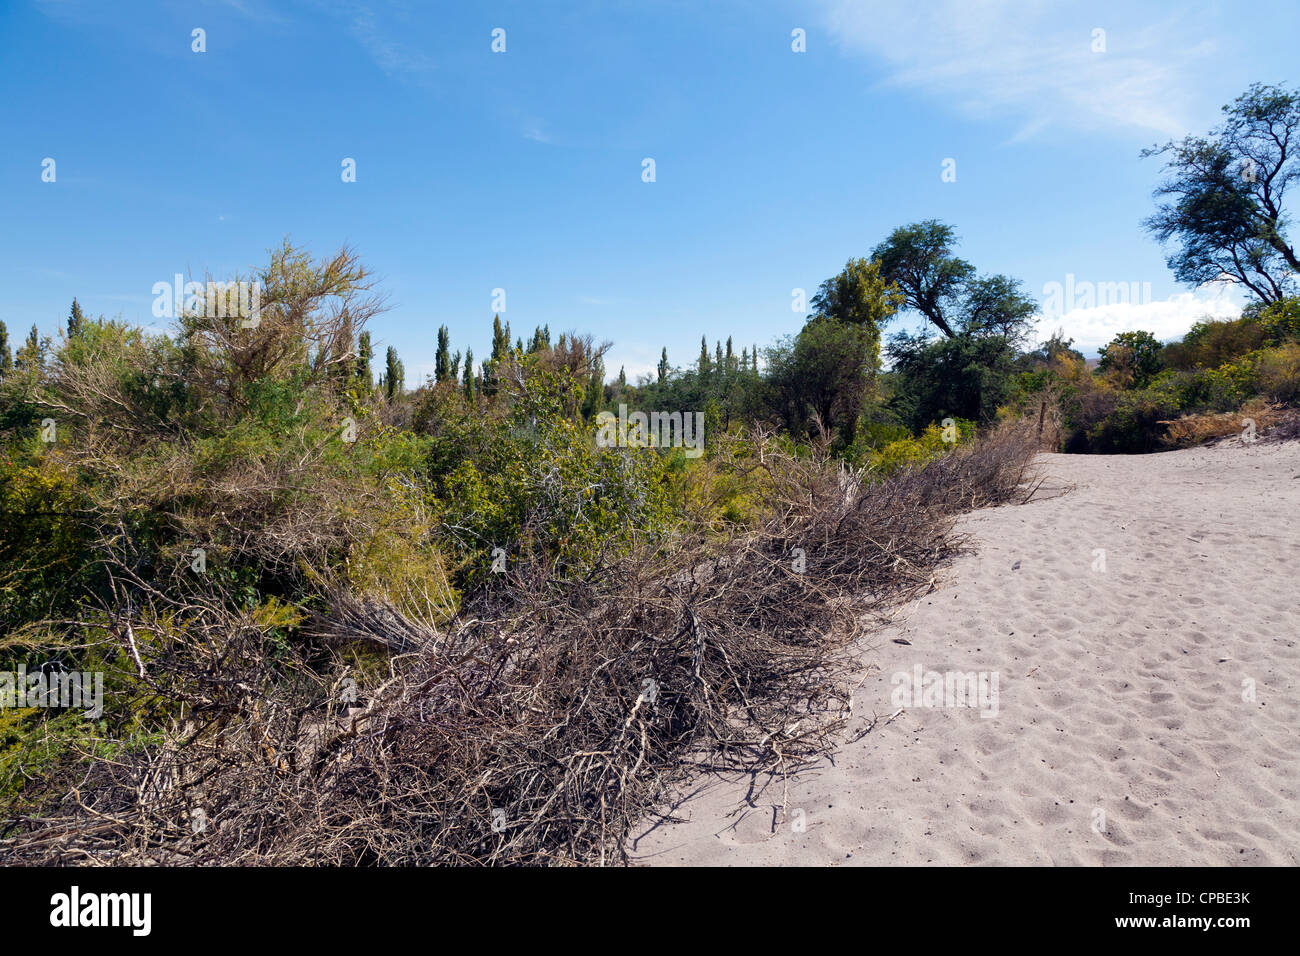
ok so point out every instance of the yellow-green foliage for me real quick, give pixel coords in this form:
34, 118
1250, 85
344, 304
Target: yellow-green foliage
935, 441
724, 489
1281, 320
540, 483
37, 741
41, 546
1278, 373
399, 560
1238, 379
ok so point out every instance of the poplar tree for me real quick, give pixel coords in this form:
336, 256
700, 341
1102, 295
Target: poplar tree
442, 359
364, 354
394, 375
76, 320
6, 357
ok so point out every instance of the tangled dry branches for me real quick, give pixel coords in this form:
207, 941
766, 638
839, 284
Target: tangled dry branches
547, 718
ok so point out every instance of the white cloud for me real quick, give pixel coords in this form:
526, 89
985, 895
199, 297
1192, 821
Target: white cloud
1028, 62
1091, 328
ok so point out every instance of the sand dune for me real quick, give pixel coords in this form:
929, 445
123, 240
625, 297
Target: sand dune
1125, 731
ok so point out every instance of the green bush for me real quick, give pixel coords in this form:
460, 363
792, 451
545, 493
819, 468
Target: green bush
965, 376
1279, 373
1134, 427
1132, 358
934, 441
1213, 343
540, 483
1280, 321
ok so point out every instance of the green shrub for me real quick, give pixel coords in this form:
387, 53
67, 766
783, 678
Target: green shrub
1279, 321
1213, 343
1132, 428
540, 483
1132, 359
1278, 373
934, 441
874, 435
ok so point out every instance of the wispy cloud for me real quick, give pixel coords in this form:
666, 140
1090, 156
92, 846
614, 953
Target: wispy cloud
251, 10
1032, 62
391, 55
533, 129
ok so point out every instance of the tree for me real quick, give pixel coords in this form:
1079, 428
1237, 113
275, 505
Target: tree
394, 375
594, 396
541, 340
1053, 352
469, 375
827, 371
995, 305
705, 362
442, 358
500, 339
918, 259
31, 355
365, 352
455, 366
966, 376
500, 352
76, 320
1132, 358
860, 296
663, 365
1226, 195
6, 357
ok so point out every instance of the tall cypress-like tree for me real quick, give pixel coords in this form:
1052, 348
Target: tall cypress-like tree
541, 340
469, 375
76, 321
704, 362
365, 352
6, 357
500, 352
442, 359
663, 365
394, 375
455, 366
31, 355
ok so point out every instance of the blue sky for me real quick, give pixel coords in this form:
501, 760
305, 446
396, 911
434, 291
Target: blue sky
522, 170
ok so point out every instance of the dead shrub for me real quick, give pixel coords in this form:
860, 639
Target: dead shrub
547, 717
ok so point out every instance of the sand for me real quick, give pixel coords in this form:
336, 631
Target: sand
1148, 705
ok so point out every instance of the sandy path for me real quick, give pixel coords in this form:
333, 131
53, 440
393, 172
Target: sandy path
1121, 734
